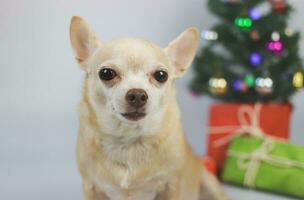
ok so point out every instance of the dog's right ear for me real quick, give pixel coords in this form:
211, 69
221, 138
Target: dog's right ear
83, 40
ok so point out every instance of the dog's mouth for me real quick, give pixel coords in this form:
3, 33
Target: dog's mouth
134, 116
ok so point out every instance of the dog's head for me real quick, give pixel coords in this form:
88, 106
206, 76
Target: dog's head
130, 79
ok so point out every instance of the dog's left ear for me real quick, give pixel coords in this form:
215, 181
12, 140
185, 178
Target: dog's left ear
181, 51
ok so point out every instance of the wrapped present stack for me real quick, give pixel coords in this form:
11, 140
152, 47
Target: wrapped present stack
250, 63
227, 121
249, 145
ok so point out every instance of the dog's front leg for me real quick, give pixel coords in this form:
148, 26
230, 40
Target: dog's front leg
210, 188
91, 193
171, 192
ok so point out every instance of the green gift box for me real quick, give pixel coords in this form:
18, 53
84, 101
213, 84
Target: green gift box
266, 164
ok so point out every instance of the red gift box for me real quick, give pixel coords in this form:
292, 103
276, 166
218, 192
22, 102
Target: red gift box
227, 121
209, 164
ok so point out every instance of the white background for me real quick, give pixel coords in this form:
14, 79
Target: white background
40, 86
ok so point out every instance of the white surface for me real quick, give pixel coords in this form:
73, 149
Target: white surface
40, 87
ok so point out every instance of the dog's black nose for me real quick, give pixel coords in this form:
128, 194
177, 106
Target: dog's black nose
136, 98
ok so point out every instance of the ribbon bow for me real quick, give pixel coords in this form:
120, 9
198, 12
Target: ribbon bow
251, 127
251, 161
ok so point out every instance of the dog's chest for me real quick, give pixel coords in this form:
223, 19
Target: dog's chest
133, 172
128, 189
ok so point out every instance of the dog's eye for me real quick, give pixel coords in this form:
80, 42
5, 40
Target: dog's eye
107, 74
161, 76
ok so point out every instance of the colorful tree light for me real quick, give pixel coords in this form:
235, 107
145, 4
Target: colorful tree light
289, 32
275, 36
243, 22
254, 35
264, 85
209, 35
255, 58
218, 86
239, 86
255, 14
275, 46
249, 80
298, 80
278, 5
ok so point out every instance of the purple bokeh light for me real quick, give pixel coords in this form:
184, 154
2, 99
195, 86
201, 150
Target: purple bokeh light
255, 14
255, 58
237, 85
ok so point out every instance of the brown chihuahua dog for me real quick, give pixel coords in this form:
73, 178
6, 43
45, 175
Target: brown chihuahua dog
131, 144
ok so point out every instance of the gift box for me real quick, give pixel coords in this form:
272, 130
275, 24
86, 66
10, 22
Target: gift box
227, 121
209, 164
266, 164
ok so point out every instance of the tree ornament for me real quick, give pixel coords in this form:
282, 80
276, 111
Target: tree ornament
255, 14
260, 10
278, 5
218, 86
243, 22
250, 81
275, 47
255, 59
239, 86
289, 32
275, 36
264, 85
254, 35
209, 35
298, 80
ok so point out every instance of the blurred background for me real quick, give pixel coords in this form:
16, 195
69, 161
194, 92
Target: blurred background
40, 86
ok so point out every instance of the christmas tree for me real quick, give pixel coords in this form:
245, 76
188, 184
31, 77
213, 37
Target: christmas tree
251, 55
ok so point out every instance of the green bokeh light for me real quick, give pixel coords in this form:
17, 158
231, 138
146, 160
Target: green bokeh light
243, 22
249, 80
